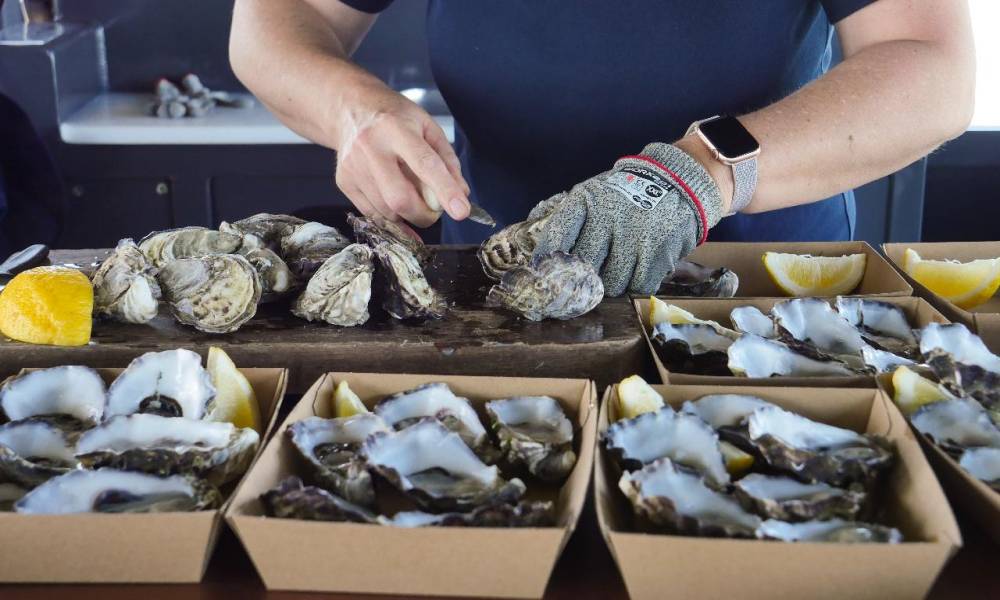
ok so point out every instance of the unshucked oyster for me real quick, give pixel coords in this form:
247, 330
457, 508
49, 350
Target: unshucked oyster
216, 294
339, 291
306, 247
162, 247
513, 246
550, 286
32, 452
171, 383
265, 226
375, 232
124, 286
534, 432
275, 276
690, 279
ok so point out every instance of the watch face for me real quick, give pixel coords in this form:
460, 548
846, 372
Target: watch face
729, 137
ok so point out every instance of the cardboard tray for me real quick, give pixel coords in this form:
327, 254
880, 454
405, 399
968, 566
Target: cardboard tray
745, 259
350, 557
125, 548
697, 567
985, 318
919, 312
968, 494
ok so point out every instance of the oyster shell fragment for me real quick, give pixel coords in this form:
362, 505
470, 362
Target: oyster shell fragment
788, 499
31, 452
292, 499
834, 530
306, 247
162, 247
754, 356
70, 391
339, 291
216, 294
690, 279
171, 383
437, 401
534, 432
124, 286
551, 286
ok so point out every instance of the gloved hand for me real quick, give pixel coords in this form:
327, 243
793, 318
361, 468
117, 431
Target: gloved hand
634, 222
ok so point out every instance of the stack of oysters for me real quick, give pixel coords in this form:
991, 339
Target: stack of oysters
146, 443
424, 458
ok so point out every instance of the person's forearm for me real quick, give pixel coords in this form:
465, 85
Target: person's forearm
290, 57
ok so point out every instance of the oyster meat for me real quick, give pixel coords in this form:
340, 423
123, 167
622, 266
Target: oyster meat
219, 452
551, 286
216, 294
696, 348
513, 246
171, 383
750, 319
834, 530
668, 496
787, 499
523, 514
956, 425
306, 247
983, 464
275, 276
331, 447
292, 499
754, 356
32, 452
162, 247
339, 291
535, 433
434, 467
681, 437
124, 286
693, 280
816, 452
267, 227
113, 491
814, 322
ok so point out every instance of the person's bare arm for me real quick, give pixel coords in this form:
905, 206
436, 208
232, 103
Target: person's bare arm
905, 86
294, 56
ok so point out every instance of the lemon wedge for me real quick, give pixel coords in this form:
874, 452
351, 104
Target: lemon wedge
910, 391
635, 397
806, 275
738, 462
235, 400
966, 285
346, 403
661, 312
48, 305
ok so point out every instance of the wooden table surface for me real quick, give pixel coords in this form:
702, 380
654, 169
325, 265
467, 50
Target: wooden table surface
604, 345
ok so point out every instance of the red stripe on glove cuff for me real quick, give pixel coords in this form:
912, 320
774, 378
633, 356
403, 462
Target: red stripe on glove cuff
687, 189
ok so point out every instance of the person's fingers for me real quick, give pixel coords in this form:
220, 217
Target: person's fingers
439, 141
426, 164
563, 228
592, 244
398, 192
372, 194
357, 198
619, 268
652, 266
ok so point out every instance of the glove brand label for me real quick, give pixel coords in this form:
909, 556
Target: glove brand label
643, 187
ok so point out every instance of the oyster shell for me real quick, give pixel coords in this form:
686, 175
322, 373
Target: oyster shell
306, 247
523, 514
683, 438
436, 400
339, 291
754, 356
816, 452
171, 383
113, 491
967, 380
834, 530
693, 280
265, 226
219, 452
436, 469
216, 294
162, 247
32, 452
956, 425
983, 464
668, 496
749, 319
124, 286
376, 232
695, 348
964, 346
291, 499
883, 361
813, 321
551, 286
9, 494
76, 392
513, 246
275, 276
881, 324
727, 414
331, 447
535, 433
787, 499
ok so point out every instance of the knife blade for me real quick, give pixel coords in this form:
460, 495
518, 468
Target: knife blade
477, 214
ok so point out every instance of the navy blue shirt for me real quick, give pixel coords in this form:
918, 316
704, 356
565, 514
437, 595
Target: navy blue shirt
546, 94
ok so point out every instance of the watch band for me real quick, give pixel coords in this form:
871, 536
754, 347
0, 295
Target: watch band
744, 184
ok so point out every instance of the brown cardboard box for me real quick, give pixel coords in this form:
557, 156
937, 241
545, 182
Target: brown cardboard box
694, 567
969, 494
918, 311
985, 318
348, 557
125, 548
745, 259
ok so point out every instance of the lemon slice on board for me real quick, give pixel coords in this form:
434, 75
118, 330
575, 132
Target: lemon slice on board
806, 275
635, 397
967, 285
48, 305
235, 400
910, 391
346, 403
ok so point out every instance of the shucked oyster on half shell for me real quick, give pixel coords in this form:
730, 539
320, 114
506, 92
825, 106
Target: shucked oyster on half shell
435, 468
216, 294
787, 499
113, 491
219, 452
695, 348
32, 452
513, 245
956, 425
690, 279
162, 247
124, 286
526, 513
881, 324
750, 319
535, 433
754, 356
292, 499
306, 247
339, 291
330, 446
550, 286
171, 383
833, 530
813, 321
77, 393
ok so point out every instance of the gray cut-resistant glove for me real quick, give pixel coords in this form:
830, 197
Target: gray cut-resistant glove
634, 222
